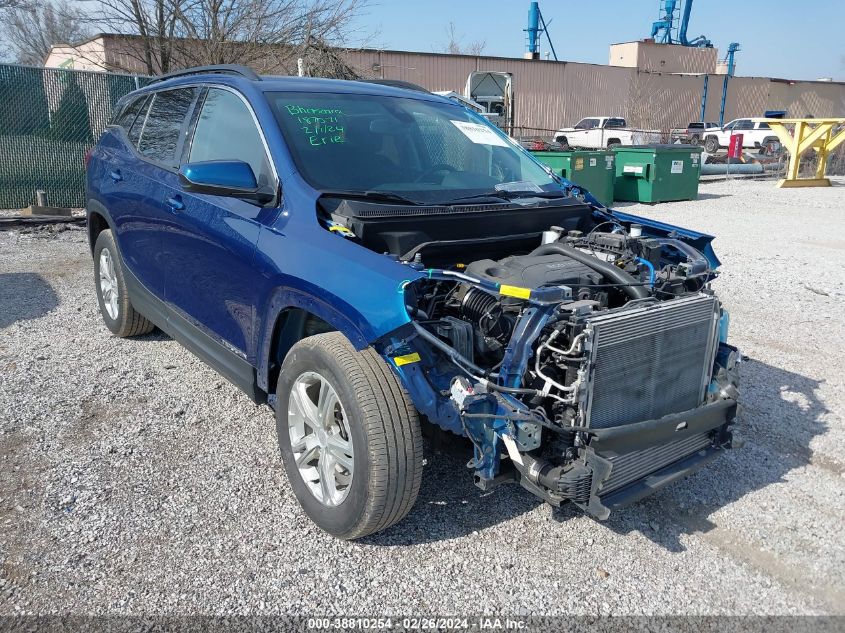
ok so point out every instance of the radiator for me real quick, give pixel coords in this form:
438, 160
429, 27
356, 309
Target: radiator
630, 467
652, 361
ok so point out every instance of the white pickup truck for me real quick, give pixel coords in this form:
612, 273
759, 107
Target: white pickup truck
755, 133
600, 132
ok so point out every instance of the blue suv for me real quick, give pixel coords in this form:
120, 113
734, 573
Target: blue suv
361, 257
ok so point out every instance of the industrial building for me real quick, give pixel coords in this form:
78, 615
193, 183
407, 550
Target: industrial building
654, 86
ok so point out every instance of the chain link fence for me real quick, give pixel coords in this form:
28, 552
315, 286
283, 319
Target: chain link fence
49, 118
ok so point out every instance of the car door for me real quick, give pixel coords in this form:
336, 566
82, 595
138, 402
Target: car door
209, 253
145, 178
122, 188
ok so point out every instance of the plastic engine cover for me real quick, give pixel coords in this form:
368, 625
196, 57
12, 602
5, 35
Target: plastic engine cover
533, 271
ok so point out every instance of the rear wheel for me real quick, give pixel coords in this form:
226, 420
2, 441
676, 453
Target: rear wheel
711, 144
695, 139
117, 311
349, 436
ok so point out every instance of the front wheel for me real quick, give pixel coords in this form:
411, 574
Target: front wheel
711, 145
349, 436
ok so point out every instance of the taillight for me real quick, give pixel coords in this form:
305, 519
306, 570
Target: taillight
87, 158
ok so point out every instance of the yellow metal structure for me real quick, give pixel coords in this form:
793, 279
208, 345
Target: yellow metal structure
822, 135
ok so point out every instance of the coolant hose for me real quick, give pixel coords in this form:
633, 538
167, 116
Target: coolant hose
629, 285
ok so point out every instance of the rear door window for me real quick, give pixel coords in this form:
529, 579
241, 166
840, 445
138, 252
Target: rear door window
126, 117
160, 134
226, 130
615, 123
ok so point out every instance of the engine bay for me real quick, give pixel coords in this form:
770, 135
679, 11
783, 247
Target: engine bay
538, 324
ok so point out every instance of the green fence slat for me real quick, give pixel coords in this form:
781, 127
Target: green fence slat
49, 118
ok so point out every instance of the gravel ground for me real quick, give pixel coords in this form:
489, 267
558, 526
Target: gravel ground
135, 480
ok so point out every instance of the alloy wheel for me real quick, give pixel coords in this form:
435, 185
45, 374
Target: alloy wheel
320, 439
108, 284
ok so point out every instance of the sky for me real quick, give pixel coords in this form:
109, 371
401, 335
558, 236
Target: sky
777, 39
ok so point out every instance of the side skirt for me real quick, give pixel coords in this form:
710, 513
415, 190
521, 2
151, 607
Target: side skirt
225, 362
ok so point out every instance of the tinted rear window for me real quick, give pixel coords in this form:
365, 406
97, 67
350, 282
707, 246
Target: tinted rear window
167, 113
127, 116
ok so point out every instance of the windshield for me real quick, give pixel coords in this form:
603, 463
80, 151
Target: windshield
422, 150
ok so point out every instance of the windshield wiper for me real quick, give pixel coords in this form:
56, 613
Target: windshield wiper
382, 196
509, 195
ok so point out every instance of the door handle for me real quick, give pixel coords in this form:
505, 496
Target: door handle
115, 175
175, 203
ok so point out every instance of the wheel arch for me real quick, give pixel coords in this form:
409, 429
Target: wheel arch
291, 316
99, 219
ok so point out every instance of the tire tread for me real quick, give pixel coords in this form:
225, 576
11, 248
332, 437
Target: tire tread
392, 426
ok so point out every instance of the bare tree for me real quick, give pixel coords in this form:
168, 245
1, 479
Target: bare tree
269, 35
153, 22
455, 45
31, 30
266, 34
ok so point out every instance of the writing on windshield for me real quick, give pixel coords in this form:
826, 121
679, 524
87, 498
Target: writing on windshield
322, 126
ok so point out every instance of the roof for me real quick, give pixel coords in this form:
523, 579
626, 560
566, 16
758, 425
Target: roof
271, 83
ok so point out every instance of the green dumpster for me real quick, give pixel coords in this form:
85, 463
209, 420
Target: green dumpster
657, 173
591, 170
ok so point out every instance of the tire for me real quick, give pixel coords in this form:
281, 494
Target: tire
711, 145
770, 146
117, 311
564, 144
379, 485
614, 142
695, 139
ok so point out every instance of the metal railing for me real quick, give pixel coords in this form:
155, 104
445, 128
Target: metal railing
49, 118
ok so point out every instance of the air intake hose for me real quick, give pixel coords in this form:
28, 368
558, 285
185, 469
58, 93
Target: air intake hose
629, 285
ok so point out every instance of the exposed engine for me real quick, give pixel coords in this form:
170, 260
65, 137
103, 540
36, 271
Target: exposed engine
550, 339
599, 271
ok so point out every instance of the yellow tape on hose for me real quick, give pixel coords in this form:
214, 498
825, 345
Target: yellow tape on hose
406, 359
515, 291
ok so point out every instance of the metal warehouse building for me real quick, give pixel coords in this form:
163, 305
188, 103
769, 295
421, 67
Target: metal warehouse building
655, 86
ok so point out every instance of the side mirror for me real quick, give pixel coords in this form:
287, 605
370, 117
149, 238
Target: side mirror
231, 178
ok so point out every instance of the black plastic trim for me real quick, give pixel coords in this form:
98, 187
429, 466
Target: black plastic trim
228, 364
632, 437
660, 478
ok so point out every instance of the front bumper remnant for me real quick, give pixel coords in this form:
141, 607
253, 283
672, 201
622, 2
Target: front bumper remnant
627, 463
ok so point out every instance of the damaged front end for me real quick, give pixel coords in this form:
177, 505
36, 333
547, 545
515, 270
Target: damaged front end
587, 361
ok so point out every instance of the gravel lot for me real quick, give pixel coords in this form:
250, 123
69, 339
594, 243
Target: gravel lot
135, 480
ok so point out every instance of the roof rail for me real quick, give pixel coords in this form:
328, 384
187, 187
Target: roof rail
395, 83
219, 69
